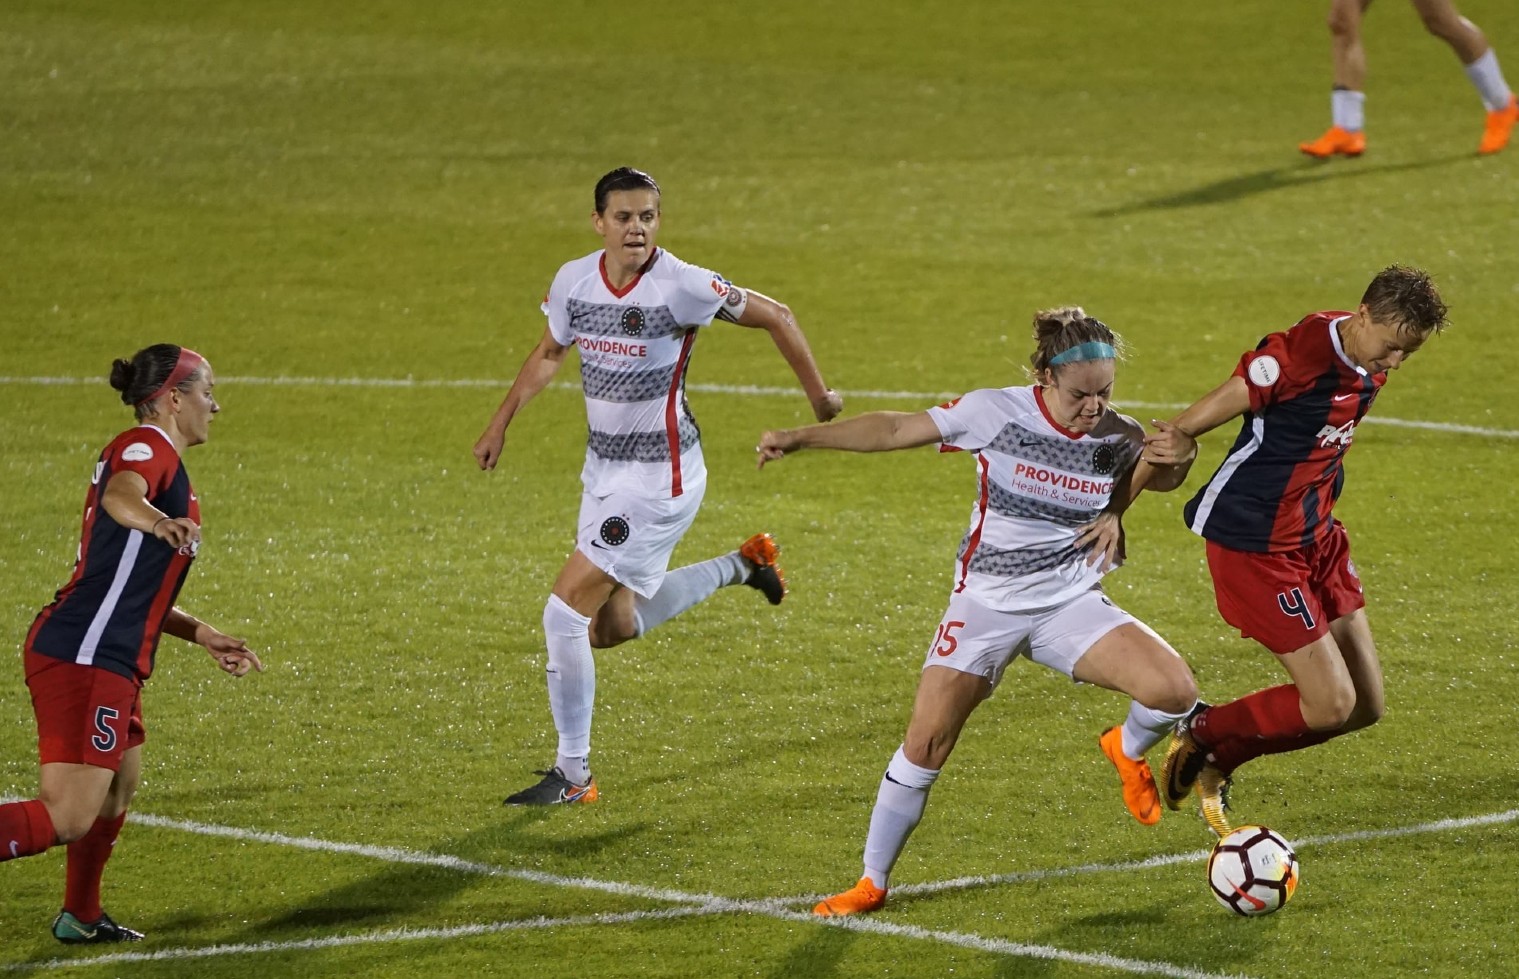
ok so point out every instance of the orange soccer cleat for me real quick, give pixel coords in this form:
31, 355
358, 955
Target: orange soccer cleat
862, 897
1139, 792
1500, 125
1335, 141
762, 552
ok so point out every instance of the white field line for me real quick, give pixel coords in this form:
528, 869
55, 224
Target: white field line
366, 938
696, 904
926, 397
1166, 860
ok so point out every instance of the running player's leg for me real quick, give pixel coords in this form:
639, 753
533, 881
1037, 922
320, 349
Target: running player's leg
85, 719
87, 855
69, 799
1092, 640
964, 663
944, 701
1352, 633
1347, 99
1469, 44
579, 592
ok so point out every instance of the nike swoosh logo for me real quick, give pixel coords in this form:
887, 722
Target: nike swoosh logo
1025, 443
15, 849
597, 543
1342, 397
1258, 904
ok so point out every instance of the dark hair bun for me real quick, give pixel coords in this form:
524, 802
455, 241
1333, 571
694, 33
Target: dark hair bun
122, 375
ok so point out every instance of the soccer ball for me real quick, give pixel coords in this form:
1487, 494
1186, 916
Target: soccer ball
1252, 871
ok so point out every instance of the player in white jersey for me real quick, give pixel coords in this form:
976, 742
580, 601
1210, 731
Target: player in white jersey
634, 310
1048, 456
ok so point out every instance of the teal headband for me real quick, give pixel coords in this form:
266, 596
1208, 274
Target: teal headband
1091, 350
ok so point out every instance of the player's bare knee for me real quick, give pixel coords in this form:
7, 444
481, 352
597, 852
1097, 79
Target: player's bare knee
928, 750
1178, 697
1447, 27
69, 822
1330, 710
1344, 25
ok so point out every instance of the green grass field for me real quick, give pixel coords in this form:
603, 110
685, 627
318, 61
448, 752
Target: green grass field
316, 193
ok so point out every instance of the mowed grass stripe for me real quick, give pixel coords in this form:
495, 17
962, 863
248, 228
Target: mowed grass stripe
739, 389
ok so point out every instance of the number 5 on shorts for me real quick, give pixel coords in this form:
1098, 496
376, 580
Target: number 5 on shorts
105, 741
944, 640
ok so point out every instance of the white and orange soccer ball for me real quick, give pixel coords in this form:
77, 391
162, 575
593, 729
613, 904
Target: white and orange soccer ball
1253, 871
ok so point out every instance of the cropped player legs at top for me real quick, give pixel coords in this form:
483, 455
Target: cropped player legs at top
1440, 18
589, 609
1128, 659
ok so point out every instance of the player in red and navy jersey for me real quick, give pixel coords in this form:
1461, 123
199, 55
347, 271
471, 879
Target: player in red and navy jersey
1280, 561
89, 652
633, 311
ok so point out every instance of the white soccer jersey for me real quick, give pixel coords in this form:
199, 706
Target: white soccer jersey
1038, 483
635, 344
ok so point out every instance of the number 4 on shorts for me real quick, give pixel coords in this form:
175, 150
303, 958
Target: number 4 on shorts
1293, 603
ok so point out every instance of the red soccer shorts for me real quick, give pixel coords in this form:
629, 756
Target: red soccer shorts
86, 715
1286, 599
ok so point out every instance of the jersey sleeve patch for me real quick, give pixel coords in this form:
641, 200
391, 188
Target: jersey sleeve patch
1264, 371
137, 452
735, 300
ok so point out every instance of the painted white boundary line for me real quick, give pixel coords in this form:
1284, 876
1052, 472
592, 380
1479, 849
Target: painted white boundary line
340, 941
702, 904
743, 389
1166, 860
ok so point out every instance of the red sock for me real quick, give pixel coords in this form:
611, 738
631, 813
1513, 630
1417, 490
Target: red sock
87, 857
26, 829
1232, 754
1276, 712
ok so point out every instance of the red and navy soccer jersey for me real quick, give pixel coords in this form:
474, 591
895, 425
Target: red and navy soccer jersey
1275, 489
112, 611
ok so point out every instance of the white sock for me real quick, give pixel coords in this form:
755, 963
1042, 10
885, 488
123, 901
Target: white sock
1488, 78
684, 587
1144, 727
1348, 109
899, 807
572, 685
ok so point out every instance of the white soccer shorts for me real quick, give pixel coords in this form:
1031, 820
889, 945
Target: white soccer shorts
631, 538
975, 639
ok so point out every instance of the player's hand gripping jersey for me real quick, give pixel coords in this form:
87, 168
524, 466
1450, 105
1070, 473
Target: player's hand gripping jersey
1038, 483
1277, 486
112, 611
635, 345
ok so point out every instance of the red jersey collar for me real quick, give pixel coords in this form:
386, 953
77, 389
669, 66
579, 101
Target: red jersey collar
601, 265
1045, 411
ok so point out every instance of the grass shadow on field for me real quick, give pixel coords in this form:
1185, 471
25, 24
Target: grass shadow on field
1302, 174
819, 954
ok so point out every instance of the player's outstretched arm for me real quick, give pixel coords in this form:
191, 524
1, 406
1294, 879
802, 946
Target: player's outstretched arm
232, 655
776, 318
125, 498
537, 370
875, 431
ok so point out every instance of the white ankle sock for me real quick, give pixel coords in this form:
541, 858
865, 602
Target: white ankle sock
572, 685
1144, 727
684, 587
1488, 79
1348, 109
899, 806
